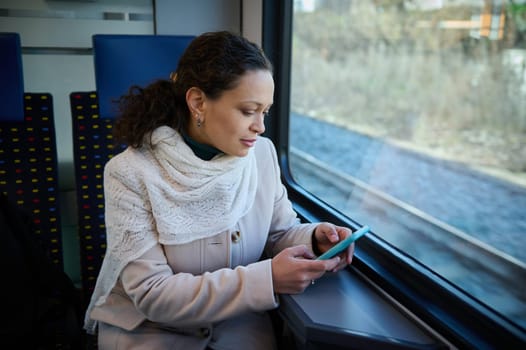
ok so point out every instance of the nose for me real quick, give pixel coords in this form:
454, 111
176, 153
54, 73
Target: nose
258, 126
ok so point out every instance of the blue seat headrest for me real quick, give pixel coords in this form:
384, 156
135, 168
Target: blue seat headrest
11, 78
125, 60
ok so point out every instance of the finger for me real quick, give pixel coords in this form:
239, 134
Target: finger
300, 251
343, 232
343, 264
349, 254
327, 231
332, 263
332, 234
316, 268
346, 260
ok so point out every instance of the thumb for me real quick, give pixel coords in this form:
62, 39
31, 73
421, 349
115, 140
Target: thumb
300, 251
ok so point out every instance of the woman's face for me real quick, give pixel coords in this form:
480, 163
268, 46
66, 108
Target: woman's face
232, 122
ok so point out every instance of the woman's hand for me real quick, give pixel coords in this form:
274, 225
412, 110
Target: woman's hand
326, 235
293, 269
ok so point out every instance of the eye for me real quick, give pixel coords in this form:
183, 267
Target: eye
248, 112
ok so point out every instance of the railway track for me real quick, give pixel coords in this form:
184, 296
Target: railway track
476, 267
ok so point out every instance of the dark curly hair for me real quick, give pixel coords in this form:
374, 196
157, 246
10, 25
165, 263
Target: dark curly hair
213, 62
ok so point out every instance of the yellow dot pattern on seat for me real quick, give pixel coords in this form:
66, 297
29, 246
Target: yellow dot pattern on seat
28, 170
93, 147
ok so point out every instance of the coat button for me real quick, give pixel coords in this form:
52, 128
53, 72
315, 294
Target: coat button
235, 236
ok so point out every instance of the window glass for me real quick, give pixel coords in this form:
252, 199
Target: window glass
410, 117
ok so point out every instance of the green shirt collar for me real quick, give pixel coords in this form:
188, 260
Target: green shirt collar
205, 152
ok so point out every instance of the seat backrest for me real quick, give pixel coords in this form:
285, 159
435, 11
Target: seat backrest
93, 146
120, 62
28, 154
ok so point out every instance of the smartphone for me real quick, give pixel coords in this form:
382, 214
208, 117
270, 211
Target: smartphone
341, 246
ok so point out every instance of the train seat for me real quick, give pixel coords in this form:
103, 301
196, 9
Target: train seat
120, 61
28, 154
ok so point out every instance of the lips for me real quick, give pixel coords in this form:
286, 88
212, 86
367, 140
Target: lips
248, 142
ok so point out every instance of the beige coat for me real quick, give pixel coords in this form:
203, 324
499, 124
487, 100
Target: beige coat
189, 290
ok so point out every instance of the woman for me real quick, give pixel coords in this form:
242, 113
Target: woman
194, 203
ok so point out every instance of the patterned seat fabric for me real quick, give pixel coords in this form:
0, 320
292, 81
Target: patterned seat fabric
93, 147
28, 170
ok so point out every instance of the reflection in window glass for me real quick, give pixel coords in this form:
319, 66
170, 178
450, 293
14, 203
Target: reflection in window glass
410, 117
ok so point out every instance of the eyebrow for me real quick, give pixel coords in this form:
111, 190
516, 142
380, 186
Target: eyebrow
258, 103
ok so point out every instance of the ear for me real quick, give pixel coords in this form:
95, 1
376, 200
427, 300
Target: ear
195, 99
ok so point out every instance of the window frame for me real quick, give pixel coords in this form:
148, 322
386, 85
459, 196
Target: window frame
462, 320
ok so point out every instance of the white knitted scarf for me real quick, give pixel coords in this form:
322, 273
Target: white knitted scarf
190, 199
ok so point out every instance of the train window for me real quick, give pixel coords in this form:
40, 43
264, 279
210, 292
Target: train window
410, 117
